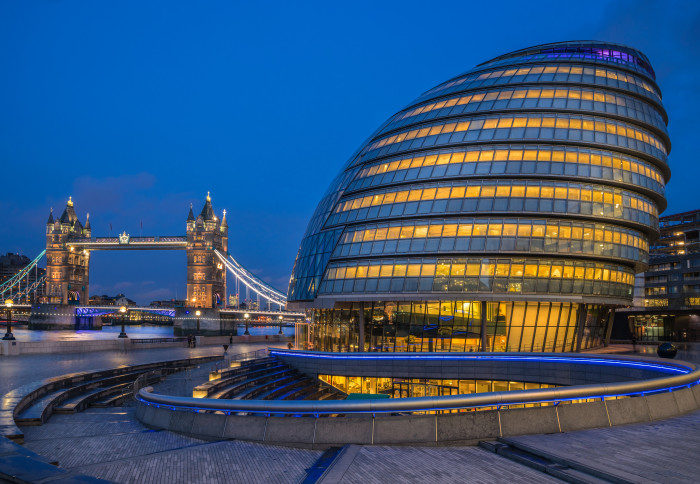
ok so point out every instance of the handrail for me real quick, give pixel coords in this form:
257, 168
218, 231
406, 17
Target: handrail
684, 375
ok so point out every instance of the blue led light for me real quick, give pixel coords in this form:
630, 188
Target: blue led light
538, 358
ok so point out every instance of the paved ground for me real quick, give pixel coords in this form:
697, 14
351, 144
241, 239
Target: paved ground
436, 465
111, 444
18, 370
665, 451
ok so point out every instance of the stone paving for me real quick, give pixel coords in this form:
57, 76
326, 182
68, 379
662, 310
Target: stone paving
111, 444
665, 451
436, 464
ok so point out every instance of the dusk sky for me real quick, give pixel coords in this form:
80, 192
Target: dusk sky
137, 109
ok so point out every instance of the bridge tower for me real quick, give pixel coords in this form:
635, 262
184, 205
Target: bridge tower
67, 270
206, 275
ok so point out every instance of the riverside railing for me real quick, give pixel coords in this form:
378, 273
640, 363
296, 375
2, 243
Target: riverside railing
673, 376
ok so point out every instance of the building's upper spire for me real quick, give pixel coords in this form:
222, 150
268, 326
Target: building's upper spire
68, 216
190, 217
208, 211
87, 222
223, 220
50, 221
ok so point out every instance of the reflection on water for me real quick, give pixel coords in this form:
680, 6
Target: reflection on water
111, 332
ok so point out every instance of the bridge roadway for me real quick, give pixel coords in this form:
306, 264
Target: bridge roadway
130, 243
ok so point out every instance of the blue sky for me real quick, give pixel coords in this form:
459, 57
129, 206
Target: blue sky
136, 109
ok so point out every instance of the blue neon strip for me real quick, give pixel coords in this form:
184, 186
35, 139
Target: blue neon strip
399, 356
427, 409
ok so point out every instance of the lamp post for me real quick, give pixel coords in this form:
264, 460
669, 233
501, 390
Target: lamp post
280, 318
122, 311
198, 313
9, 335
246, 316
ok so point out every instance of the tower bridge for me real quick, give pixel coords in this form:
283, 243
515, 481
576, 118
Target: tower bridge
62, 294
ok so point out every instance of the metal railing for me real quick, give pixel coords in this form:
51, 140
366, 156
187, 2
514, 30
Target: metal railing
137, 341
684, 375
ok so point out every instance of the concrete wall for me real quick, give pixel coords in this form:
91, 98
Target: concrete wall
464, 428
224, 340
570, 371
52, 316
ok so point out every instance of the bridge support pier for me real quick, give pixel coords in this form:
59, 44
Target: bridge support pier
58, 316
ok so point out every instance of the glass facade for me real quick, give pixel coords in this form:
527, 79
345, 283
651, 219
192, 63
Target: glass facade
506, 209
457, 326
423, 387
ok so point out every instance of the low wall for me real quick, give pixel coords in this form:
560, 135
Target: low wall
464, 428
52, 316
224, 340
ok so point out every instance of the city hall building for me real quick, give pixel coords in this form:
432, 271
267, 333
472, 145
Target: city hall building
505, 209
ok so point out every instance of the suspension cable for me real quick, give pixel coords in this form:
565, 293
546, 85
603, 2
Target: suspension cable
252, 282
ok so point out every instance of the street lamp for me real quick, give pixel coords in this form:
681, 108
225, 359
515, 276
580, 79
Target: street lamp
198, 313
9, 336
246, 316
122, 311
280, 318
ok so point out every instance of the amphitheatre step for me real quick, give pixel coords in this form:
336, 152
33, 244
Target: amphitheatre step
114, 400
21, 399
40, 411
83, 401
274, 393
255, 391
207, 388
231, 390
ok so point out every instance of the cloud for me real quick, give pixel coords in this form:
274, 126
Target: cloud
123, 285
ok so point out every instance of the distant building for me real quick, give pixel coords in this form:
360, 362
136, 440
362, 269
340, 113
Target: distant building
118, 300
667, 296
169, 303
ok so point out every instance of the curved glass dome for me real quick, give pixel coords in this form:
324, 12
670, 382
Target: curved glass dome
536, 176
